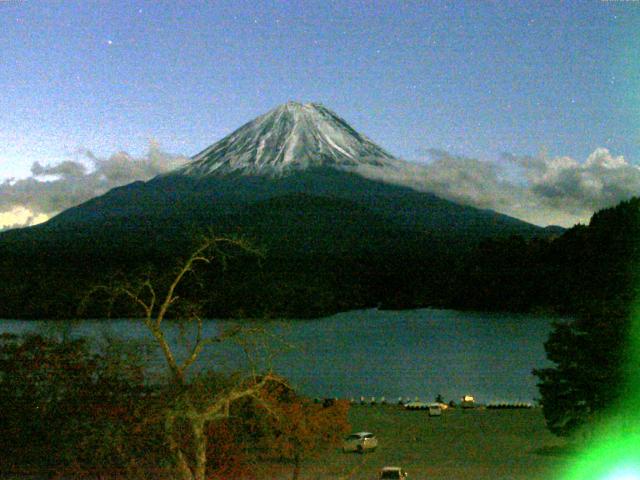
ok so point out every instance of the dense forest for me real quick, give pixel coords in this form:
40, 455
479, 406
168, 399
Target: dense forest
592, 379
573, 271
586, 268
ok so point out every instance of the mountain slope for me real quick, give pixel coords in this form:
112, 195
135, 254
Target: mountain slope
195, 200
288, 180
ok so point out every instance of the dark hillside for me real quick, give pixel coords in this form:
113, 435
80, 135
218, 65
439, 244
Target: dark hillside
584, 269
332, 241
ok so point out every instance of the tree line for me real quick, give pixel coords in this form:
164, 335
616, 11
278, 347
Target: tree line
577, 270
584, 269
594, 358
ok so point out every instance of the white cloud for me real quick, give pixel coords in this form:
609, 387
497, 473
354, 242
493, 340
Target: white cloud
20, 217
540, 190
603, 180
53, 188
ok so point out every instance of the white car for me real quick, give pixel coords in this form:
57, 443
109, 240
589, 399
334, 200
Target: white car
393, 473
435, 410
360, 442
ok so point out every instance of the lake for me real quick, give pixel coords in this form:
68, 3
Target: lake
410, 353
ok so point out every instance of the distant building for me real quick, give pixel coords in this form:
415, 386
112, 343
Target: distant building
468, 401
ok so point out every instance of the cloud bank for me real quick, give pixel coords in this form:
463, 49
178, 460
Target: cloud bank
542, 190
53, 188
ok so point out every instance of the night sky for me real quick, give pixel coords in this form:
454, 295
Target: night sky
527, 90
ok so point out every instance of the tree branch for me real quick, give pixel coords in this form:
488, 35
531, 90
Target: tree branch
220, 408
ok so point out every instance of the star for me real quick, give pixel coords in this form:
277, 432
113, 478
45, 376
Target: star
109, 42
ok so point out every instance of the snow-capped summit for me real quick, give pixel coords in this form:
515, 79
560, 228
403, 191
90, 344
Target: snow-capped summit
290, 137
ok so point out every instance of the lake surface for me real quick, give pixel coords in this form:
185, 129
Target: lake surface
414, 353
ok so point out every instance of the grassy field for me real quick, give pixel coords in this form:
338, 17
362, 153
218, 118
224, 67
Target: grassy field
462, 444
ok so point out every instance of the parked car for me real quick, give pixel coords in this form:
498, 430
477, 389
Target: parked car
393, 473
435, 410
360, 442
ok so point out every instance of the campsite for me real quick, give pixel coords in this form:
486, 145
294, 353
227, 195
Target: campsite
479, 443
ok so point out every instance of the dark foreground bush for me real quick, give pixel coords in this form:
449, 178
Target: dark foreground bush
65, 408
69, 412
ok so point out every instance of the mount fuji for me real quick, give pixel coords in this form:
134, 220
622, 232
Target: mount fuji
298, 151
290, 137
323, 200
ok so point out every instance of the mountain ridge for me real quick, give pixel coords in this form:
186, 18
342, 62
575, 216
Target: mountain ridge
289, 181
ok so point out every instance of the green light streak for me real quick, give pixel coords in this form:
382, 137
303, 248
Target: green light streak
614, 453
614, 456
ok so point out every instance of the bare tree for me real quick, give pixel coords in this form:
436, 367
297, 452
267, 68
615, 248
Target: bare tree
187, 408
